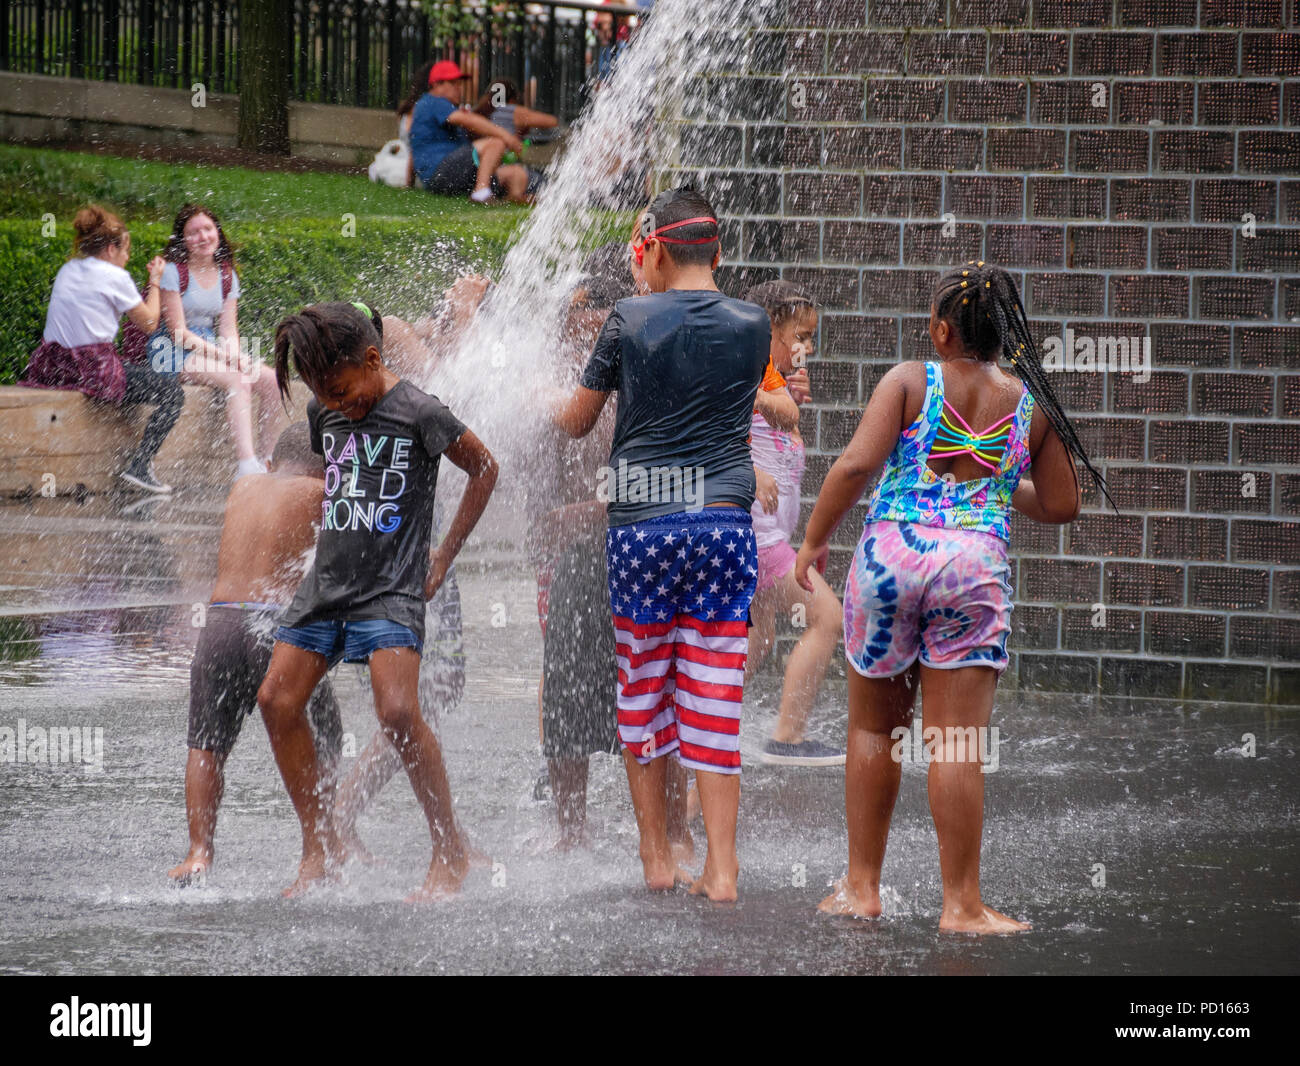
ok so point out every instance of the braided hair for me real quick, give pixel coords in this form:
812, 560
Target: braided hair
980, 301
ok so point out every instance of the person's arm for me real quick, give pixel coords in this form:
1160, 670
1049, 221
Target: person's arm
1052, 492
477, 126
766, 491
578, 415
528, 119
778, 408
471, 455
144, 315
874, 439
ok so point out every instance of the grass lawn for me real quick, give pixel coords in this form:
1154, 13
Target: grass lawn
299, 237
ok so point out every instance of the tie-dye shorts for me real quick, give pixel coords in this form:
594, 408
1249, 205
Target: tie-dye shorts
914, 590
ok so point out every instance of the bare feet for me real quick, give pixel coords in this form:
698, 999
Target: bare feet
441, 883
846, 900
477, 859
988, 923
718, 885
311, 871
193, 869
661, 872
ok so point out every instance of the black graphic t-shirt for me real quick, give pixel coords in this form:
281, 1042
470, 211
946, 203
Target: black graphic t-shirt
381, 473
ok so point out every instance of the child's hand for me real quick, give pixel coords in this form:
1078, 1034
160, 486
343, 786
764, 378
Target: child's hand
438, 566
765, 490
797, 383
155, 268
810, 555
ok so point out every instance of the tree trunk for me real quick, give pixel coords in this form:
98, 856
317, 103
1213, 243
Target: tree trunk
264, 71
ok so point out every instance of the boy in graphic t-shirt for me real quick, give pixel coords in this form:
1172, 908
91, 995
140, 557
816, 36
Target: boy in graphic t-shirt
686, 363
364, 599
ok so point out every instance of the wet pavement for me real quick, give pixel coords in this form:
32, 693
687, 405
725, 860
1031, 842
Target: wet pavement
1196, 835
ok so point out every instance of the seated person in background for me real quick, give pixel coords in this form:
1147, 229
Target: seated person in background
270, 526
500, 105
92, 291
446, 160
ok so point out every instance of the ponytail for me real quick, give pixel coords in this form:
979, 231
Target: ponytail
322, 337
982, 304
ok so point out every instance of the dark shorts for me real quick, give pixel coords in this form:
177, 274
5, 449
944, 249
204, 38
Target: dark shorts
579, 668
230, 662
456, 174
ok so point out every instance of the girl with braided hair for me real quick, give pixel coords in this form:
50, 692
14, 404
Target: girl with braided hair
928, 596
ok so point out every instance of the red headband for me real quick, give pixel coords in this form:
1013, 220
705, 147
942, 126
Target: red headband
677, 225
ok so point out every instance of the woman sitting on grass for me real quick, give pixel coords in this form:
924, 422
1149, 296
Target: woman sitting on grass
200, 335
92, 291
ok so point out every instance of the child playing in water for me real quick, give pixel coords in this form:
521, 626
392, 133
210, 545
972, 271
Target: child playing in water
930, 578
364, 599
686, 362
268, 529
778, 451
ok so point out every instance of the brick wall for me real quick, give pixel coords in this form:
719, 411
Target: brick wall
1136, 163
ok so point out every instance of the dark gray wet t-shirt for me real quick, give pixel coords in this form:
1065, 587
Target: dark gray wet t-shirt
686, 364
381, 472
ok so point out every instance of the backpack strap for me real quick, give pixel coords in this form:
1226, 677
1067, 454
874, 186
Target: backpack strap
227, 279
183, 276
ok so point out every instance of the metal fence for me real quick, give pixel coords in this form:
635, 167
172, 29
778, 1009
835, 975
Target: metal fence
362, 53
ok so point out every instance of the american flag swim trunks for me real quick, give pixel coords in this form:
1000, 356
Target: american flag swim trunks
680, 586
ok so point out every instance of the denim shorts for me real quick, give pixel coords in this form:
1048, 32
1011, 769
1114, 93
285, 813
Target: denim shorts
353, 642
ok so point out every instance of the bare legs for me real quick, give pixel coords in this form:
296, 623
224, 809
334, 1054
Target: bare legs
394, 673
955, 700
239, 389
805, 668
287, 687
204, 783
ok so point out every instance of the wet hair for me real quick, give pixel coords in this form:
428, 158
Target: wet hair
177, 252
486, 106
419, 86
322, 337
96, 229
677, 205
981, 303
293, 449
782, 300
606, 277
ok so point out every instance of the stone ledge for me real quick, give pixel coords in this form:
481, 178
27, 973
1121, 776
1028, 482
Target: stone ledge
83, 444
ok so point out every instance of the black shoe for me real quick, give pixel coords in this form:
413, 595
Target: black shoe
145, 479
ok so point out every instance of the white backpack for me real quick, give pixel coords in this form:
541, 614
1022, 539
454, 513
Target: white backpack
390, 164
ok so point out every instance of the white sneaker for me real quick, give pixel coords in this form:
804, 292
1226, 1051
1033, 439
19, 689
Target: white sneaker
481, 196
249, 466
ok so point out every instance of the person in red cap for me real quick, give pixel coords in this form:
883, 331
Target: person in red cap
445, 158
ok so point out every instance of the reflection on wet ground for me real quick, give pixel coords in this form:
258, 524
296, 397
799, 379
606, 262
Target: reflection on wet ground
1197, 838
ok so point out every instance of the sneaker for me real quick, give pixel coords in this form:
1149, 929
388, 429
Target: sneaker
145, 479
807, 753
542, 787
249, 466
481, 196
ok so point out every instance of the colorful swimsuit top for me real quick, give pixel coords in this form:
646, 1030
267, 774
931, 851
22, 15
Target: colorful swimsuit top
909, 491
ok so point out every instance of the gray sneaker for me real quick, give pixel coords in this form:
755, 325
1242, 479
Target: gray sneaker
806, 753
144, 479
